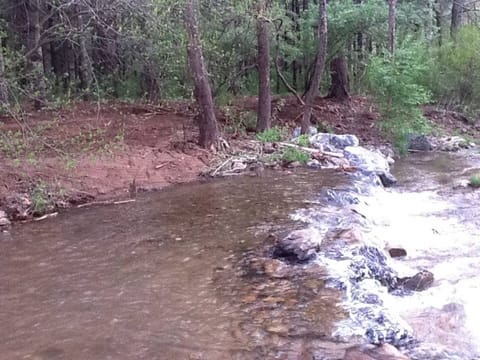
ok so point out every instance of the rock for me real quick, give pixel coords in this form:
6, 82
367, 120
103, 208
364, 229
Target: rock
276, 269
372, 352
17, 206
333, 142
314, 164
397, 252
452, 143
420, 282
370, 162
461, 184
387, 179
4, 219
299, 246
419, 143
370, 263
312, 130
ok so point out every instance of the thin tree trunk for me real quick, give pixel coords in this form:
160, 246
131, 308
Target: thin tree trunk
35, 54
457, 16
316, 80
86, 70
392, 24
263, 59
3, 82
208, 127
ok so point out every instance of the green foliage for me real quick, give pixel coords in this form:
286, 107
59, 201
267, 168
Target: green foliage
42, 199
303, 140
291, 154
396, 82
455, 77
475, 181
274, 134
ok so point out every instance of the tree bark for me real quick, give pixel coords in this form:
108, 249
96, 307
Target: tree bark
457, 16
86, 70
339, 76
35, 54
392, 24
311, 93
263, 60
3, 81
208, 126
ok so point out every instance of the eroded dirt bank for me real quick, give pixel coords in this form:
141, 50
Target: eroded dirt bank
89, 152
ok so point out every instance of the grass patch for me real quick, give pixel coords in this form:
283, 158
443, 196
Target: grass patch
303, 140
274, 134
292, 154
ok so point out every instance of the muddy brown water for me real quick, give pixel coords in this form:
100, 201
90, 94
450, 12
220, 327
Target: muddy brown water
162, 278
156, 279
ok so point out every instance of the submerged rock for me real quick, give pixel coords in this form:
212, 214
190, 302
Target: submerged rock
371, 352
299, 246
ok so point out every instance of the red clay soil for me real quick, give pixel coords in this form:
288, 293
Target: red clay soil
96, 152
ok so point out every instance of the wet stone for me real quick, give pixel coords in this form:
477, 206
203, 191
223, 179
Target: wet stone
420, 282
299, 246
370, 352
397, 252
4, 219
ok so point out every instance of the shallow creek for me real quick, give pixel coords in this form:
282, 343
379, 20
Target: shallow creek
165, 277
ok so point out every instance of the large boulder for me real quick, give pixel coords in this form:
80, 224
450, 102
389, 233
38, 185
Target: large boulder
419, 282
333, 142
370, 162
419, 143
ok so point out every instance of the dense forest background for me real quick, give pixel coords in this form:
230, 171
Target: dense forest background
403, 54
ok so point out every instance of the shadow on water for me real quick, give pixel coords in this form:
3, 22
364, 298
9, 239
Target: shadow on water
159, 278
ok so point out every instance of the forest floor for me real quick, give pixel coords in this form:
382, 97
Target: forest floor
87, 152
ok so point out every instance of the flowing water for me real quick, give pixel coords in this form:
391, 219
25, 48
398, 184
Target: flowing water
175, 274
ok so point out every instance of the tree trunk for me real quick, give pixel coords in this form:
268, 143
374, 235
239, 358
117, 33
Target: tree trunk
263, 60
3, 81
311, 93
86, 71
35, 55
457, 16
392, 24
203, 93
339, 75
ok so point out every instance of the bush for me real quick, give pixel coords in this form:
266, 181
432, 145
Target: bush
398, 84
292, 154
475, 181
455, 76
274, 134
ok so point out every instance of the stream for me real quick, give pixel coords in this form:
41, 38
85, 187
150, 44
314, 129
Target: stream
185, 273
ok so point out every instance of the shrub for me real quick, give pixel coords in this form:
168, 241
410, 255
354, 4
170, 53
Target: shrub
274, 134
398, 85
455, 76
475, 181
292, 154
303, 140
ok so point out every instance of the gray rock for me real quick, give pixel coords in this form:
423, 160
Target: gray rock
372, 352
419, 143
333, 142
370, 162
420, 282
299, 246
4, 219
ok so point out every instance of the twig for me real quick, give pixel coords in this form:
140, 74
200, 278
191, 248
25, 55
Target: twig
46, 216
106, 203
